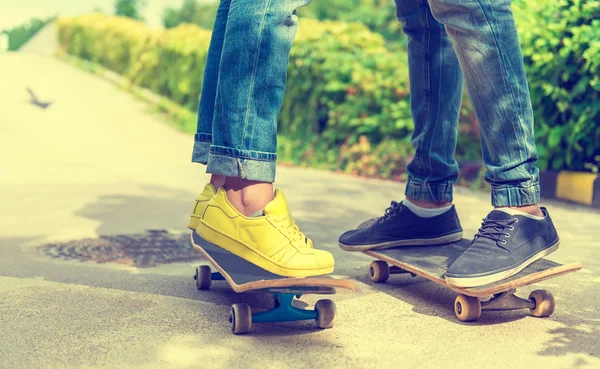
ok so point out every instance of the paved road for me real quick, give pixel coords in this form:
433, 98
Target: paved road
97, 162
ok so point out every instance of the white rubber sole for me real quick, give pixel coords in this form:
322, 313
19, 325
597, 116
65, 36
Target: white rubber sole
493, 278
455, 237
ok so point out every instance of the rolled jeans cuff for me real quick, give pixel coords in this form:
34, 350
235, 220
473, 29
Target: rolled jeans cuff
202, 142
245, 164
432, 192
519, 195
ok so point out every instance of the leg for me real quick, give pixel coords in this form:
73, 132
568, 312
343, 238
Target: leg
247, 218
436, 94
253, 74
487, 45
259, 38
436, 85
486, 41
203, 137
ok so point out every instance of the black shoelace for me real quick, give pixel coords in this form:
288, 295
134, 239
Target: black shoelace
494, 230
394, 209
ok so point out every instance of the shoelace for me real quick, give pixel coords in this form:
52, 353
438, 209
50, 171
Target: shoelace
494, 230
288, 223
391, 211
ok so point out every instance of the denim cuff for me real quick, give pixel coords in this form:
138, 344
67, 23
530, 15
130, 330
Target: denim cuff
202, 142
244, 164
520, 195
433, 192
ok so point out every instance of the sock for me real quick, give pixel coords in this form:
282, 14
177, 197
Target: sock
424, 212
518, 212
259, 213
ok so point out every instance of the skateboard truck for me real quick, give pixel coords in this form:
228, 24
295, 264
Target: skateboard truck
507, 301
396, 270
241, 316
468, 308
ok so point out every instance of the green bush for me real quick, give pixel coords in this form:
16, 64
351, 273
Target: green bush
346, 93
561, 47
114, 42
191, 12
18, 36
378, 15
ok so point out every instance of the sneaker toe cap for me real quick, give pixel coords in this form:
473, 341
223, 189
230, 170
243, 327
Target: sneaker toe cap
353, 237
324, 259
318, 259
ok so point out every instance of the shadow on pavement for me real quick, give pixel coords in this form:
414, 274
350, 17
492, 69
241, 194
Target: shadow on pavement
579, 313
157, 208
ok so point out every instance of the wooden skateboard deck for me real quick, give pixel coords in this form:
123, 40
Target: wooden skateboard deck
244, 276
431, 262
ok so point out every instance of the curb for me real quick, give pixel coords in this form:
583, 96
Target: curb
577, 187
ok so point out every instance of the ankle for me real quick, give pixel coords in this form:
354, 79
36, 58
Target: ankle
429, 204
217, 181
529, 209
248, 197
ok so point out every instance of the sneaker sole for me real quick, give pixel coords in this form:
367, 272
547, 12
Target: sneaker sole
493, 278
247, 253
455, 237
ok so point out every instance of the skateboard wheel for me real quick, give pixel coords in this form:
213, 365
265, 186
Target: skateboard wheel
544, 303
240, 318
325, 313
379, 271
467, 308
203, 277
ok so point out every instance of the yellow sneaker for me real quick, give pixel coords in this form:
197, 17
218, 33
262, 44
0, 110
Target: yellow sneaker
200, 204
272, 242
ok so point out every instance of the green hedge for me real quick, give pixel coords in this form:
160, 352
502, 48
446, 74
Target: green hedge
192, 12
378, 15
170, 63
561, 47
18, 36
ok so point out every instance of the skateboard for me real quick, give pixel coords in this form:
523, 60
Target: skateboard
244, 277
431, 262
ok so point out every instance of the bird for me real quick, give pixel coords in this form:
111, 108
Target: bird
35, 101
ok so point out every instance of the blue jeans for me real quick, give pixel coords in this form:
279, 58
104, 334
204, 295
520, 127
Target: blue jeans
477, 39
243, 87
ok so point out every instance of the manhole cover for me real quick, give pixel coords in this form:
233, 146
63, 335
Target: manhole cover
144, 250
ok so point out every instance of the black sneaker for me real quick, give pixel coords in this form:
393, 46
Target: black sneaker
401, 227
504, 245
